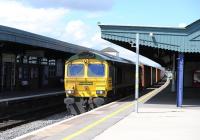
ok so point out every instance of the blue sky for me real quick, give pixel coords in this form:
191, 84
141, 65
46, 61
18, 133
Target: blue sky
75, 21
154, 12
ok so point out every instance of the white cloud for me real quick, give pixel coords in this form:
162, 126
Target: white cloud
80, 33
76, 29
98, 42
40, 21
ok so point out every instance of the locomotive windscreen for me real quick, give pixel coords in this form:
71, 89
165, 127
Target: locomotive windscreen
96, 70
75, 70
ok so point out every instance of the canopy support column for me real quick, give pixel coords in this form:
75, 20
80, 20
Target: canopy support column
180, 69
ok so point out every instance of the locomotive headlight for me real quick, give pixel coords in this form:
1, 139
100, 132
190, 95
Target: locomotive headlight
70, 91
100, 91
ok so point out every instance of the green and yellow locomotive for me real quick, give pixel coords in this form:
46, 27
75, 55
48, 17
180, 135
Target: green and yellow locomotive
92, 78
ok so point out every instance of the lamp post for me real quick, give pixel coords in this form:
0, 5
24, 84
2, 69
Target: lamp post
137, 73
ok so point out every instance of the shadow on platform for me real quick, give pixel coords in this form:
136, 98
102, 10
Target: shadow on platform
191, 97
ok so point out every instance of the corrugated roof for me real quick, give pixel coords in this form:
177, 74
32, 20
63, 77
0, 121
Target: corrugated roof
175, 39
8, 34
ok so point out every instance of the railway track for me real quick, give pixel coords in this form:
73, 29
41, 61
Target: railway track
17, 112
17, 119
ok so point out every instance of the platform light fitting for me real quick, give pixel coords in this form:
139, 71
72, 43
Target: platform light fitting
151, 34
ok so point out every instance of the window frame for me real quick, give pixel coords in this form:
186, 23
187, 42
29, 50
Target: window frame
96, 64
67, 70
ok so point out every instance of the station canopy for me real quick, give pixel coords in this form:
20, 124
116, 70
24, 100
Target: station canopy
22, 39
157, 43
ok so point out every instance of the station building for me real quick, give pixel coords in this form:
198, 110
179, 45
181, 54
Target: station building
30, 62
176, 49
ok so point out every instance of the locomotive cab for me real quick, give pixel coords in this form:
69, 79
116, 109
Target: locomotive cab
86, 78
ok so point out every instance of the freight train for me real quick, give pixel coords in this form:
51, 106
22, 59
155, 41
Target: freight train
92, 79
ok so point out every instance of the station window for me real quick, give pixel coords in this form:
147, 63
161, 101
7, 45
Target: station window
25, 60
18, 59
43, 61
52, 62
32, 60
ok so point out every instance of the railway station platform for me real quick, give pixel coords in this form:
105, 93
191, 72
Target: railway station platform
30, 94
156, 122
158, 118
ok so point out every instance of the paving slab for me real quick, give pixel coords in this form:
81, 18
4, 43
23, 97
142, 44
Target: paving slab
157, 122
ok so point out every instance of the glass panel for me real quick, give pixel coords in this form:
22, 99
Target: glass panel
44, 61
52, 62
96, 70
75, 70
32, 60
25, 60
18, 59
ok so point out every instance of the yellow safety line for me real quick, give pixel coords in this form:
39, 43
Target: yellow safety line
142, 99
97, 122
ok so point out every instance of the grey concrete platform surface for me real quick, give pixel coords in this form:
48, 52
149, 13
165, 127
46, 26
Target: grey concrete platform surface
160, 119
157, 122
90, 124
